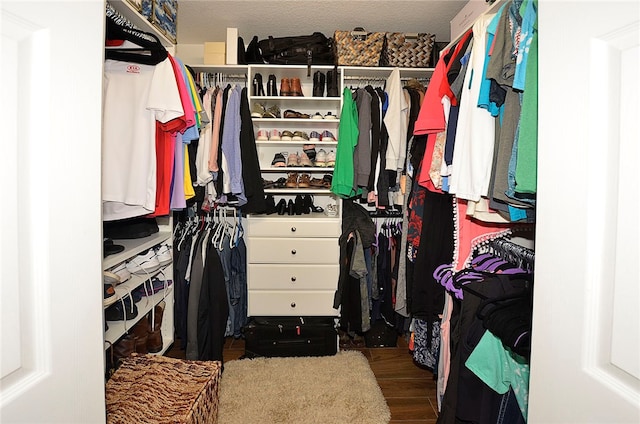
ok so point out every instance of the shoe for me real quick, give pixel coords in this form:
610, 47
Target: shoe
329, 115
271, 205
331, 159
292, 114
296, 87
303, 181
141, 333
151, 287
112, 278
108, 295
278, 160
124, 347
274, 135
293, 159
110, 248
300, 136
280, 183
314, 136
291, 208
298, 205
163, 253
258, 110
285, 87
271, 86
292, 180
327, 136
318, 84
272, 112
263, 135
122, 272
281, 207
258, 88
328, 178
154, 341
332, 83
321, 158
317, 116
308, 202
303, 160
144, 263
310, 151
316, 182
286, 135
123, 309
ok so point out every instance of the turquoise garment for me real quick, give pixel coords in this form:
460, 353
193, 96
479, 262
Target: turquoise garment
343, 173
500, 369
485, 86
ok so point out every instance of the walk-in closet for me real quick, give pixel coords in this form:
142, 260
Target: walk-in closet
417, 217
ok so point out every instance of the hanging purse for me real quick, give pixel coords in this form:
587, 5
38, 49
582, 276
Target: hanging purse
408, 51
358, 47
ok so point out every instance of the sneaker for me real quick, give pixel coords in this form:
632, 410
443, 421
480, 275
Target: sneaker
286, 135
304, 160
317, 115
272, 112
122, 272
310, 150
274, 135
153, 286
292, 180
124, 309
300, 136
329, 115
327, 136
314, 136
331, 159
293, 159
112, 278
144, 263
258, 110
278, 160
163, 253
321, 158
263, 135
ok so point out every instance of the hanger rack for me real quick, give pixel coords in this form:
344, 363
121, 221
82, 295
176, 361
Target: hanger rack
213, 79
512, 252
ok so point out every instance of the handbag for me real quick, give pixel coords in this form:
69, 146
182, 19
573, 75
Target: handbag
408, 51
358, 47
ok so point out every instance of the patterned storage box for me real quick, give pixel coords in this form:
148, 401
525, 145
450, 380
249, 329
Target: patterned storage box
165, 17
158, 389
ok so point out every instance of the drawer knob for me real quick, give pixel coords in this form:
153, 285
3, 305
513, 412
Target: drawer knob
293, 278
293, 229
293, 251
293, 304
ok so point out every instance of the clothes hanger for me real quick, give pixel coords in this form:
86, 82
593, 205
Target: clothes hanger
150, 50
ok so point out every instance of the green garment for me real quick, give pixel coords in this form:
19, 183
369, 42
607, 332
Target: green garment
343, 173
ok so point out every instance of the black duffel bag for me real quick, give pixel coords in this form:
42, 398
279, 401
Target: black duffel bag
314, 49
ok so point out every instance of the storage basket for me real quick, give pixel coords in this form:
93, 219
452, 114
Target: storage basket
408, 51
358, 47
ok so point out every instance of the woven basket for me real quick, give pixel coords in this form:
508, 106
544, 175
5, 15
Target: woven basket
358, 47
408, 52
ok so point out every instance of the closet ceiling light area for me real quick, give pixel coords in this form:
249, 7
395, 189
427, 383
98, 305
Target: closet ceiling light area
207, 20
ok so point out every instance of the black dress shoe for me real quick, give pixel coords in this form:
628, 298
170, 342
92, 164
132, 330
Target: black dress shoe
271, 205
291, 209
308, 201
299, 205
281, 207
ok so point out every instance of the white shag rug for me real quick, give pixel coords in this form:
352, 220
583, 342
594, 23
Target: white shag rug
340, 389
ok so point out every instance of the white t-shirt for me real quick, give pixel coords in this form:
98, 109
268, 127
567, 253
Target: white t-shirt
135, 96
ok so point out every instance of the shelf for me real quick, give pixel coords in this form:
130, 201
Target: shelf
298, 120
145, 305
278, 143
133, 15
294, 191
300, 98
123, 290
308, 169
383, 72
132, 247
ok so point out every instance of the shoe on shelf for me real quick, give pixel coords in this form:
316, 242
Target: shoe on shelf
163, 253
280, 182
123, 309
314, 136
310, 150
327, 136
317, 115
271, 86
304, 160
278, 160
286, 135
271, 205
318, 84
272, 112
293, 159
109, 295
281, 207
292, 180
145, 263
258, 110
292, 114
299, 205
296, 87
304, 180
258, 88
316, 182
321, 158
154, 341
291, 208
331, 159
263, 135
285, 87
327, 178
109, 277
329, 115
300, 136
141, 332
308, 203
274, 135
122, 272
332, 83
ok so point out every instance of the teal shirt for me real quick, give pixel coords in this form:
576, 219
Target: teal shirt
343, 173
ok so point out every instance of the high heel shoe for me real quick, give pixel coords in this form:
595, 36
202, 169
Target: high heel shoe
308, 202
271, 86
281, 207
300, 206
291, 209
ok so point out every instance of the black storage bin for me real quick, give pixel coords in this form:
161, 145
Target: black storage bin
290, 336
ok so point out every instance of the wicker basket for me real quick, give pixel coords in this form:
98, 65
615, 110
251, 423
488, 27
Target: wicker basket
157, 389
358, 47
406, 51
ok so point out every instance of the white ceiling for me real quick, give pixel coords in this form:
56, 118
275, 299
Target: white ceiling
207, 20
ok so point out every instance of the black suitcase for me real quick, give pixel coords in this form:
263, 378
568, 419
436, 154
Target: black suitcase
290, 336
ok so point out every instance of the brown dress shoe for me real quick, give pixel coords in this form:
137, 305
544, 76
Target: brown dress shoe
285, 87
296, 87
154, 341
124, 347
141, 332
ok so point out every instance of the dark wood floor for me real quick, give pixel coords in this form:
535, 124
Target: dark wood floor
410, 391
